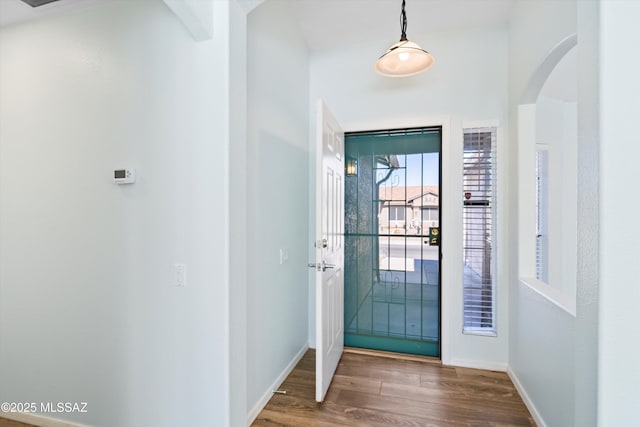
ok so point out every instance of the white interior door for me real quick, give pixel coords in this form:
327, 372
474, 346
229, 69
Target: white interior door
329, 248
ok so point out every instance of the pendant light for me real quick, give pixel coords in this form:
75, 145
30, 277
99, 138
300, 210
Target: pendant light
404, 58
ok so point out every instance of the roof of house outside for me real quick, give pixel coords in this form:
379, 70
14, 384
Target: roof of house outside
406, 195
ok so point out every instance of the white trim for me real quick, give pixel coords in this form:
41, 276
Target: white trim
526, 190
447, 271
544, 70
259, 406
479, 124
553, 295
526, 399
478, 364
448, 246
197, 17
382, 124
249, 5
38, 420
480, 331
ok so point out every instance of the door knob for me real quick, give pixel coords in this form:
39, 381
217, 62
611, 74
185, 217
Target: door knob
320, 266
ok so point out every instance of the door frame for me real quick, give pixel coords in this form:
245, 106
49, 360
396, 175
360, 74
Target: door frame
448, 219
440, 198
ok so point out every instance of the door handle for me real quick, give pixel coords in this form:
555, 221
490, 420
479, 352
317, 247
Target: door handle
320, 266
316, 265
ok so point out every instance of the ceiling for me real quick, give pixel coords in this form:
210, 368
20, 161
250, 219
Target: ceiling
330, 23
14, 11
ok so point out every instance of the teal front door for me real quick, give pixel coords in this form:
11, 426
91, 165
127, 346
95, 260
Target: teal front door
392, 240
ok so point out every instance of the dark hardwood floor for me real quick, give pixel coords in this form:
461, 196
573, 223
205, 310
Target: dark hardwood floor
370, 390
9, 423
392, 391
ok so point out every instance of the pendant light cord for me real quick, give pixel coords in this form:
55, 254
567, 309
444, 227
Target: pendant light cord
403, 23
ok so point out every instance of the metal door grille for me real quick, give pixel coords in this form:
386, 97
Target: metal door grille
392, 268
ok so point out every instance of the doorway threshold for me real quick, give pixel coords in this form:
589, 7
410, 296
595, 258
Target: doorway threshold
393, 355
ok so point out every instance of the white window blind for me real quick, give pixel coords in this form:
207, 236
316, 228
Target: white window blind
542, 215
479, 200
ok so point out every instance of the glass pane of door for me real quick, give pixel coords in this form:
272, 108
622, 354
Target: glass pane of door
392, 236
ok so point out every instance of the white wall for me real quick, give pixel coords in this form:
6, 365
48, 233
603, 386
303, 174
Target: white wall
237, 230
277, 197
88, 306
456, 90
551, 352
587, 299
619, 373
541, 348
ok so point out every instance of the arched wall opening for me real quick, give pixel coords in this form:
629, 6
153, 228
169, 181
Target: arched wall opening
547, 175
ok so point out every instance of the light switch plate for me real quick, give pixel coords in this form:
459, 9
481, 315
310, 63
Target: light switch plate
181, 275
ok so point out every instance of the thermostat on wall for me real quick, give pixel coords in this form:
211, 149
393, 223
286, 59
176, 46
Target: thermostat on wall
124, 176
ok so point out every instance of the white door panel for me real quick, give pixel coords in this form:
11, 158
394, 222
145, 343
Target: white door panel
329, 248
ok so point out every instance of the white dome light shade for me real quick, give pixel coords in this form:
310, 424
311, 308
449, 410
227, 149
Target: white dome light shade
404, 59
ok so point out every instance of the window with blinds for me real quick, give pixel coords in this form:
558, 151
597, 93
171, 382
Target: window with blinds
542, 214
479, 197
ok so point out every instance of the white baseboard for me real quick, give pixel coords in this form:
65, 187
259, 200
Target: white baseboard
38, 420
477, 364
259, 406
525, 398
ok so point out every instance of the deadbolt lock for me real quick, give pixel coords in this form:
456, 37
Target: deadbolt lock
321, 243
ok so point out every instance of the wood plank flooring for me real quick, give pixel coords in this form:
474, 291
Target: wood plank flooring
369, 390
374, 391
10, 423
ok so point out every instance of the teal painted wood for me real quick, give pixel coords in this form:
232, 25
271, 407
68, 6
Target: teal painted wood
398, 345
